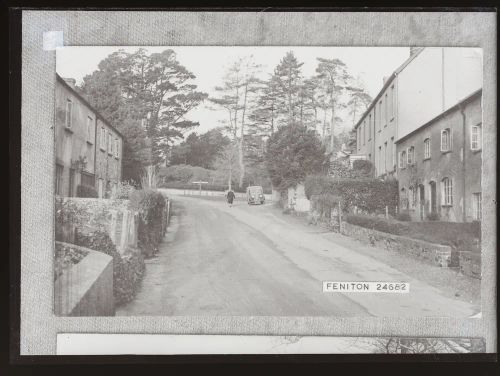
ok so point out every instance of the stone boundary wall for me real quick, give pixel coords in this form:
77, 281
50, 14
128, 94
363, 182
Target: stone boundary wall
111, 215
437, 254
86, 288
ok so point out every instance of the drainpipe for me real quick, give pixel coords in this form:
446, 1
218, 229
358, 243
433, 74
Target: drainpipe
464, 216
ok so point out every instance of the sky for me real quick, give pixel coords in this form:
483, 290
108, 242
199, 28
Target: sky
208, 64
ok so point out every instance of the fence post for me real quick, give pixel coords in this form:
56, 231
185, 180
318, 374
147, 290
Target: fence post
386, 212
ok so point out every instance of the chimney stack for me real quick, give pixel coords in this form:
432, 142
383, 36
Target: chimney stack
71, 82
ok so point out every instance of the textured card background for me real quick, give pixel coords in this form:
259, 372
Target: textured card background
39, 326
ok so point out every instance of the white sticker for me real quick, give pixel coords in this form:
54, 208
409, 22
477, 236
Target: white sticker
52, 40
390, 287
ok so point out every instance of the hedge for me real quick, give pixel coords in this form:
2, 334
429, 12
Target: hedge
65, 256
86, 191
128, 269
207, 187
368, 195
460, 236
360, 169
150, 205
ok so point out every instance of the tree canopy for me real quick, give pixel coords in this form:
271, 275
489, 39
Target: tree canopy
153, 92
200, 150
292, 153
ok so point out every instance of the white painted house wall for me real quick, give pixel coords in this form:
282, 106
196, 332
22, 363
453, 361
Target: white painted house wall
297, 199
437, 79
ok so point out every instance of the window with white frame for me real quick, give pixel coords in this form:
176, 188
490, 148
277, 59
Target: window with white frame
410, 155
110, 143
427, 148
116, 148
69, 114
393, 155
446, 139
90, 130
380, 117
359, 138
393, 99
447, 191
386, 114
369, 127
476, 206
103, 139
402, 159
364, 133
385, 156
380, 159
475, 137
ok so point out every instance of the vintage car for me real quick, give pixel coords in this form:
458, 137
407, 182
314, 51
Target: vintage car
255, 195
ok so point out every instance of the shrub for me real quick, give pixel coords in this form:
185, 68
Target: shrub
184, 174
293, 151
376, 223
123, 190
369, 195
205, 187
324, 203
460, 236
86, 191
150, 205
127, 271
403, 216
433, 216
362, 168
65, 256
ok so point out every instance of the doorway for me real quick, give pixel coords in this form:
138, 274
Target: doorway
433, 203
71, 182
100, 188
421, 190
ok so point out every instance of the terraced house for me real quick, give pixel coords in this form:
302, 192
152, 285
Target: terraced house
439, 165
429, 82
88, 148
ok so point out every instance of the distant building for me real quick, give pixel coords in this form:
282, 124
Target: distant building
347, 157
88, 148
428, 83
439, 164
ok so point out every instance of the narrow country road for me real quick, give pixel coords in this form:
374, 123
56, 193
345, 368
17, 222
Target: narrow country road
249, 260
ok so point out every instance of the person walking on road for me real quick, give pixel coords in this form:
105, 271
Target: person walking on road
230, 198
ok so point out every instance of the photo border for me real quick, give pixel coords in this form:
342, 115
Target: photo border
15, 309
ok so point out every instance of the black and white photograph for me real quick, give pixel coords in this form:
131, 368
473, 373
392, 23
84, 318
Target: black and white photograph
271, 181
258, 182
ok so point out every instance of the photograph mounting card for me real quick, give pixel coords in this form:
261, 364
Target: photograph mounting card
264, 181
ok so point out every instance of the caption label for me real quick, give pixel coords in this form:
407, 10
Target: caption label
390, 287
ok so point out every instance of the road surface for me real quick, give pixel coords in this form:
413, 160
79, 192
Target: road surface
252, 261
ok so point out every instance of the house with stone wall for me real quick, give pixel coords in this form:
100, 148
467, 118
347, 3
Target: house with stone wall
88, 148
439, 164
